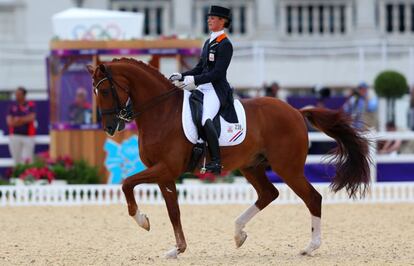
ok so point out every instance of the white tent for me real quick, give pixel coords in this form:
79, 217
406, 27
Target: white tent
95, 24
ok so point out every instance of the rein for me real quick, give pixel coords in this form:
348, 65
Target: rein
153, 102
127, 113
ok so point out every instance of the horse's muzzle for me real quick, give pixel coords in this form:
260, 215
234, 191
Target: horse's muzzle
110, 130
116, 125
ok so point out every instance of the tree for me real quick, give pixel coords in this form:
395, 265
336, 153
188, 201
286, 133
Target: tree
390, 85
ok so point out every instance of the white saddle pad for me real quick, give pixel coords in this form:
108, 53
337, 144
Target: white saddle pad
231, 134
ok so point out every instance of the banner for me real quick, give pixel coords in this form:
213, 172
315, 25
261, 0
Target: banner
122, 159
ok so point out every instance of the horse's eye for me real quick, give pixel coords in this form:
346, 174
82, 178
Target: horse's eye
104, 92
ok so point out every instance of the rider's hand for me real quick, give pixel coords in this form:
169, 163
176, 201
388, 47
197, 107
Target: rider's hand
189, 83
175, 76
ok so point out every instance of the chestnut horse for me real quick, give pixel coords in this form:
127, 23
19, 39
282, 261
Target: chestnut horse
277, 136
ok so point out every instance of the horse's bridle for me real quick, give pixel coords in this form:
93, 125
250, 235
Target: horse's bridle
126, 113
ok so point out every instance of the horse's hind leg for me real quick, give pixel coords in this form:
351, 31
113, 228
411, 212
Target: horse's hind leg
313, 200
266, 192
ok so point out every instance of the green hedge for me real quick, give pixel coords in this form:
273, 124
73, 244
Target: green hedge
80, 173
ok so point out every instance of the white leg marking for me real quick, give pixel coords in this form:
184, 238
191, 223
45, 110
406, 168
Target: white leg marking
316, 236
142, 220
240, 235
172, 254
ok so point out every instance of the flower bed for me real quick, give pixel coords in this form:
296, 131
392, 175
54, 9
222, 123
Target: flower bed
224, 177
45, 170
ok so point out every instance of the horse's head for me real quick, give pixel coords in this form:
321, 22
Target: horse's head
111, 90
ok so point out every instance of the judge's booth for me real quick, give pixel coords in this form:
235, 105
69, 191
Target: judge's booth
74, 119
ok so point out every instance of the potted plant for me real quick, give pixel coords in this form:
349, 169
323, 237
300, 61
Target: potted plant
391, 85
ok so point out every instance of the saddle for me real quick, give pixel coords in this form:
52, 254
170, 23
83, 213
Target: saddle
229, 134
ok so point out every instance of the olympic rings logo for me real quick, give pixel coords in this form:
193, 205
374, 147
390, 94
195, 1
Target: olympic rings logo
97, 32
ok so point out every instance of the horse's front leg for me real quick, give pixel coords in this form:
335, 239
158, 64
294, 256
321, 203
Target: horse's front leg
149, 175
169, 192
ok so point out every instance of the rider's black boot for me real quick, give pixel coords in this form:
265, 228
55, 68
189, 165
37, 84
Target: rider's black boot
214, 166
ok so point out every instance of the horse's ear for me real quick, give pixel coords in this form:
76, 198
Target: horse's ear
91, 69
102, 68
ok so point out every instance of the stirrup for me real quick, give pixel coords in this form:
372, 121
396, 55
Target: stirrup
213, 167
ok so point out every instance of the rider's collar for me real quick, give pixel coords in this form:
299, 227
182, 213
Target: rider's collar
215, 34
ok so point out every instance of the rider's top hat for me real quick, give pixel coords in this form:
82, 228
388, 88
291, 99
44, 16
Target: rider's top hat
222, 12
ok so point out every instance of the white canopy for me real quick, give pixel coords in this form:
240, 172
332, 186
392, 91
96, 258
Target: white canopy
95, 24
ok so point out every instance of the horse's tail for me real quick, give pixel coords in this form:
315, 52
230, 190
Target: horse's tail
351, 156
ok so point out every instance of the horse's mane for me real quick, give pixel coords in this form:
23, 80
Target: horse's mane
152, 70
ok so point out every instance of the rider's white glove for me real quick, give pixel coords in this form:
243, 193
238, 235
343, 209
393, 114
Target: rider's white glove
189, 83
175, 76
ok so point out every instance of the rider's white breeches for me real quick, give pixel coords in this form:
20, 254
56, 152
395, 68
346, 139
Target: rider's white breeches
211, 103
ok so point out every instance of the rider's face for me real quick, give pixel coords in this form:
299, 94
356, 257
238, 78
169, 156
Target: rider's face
215, 23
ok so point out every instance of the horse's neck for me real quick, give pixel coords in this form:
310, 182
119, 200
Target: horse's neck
158, 123
160, 113
145, 88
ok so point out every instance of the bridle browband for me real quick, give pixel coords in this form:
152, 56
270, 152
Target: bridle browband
127, 113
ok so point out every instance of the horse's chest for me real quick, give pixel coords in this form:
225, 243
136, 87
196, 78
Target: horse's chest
149, 146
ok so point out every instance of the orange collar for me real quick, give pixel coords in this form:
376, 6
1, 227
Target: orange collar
221, 37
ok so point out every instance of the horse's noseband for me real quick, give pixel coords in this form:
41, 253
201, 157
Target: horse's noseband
126, 113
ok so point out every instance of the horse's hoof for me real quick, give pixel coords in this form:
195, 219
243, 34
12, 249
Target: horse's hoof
305, 253
142, 220
311, 247
172, 254
146, 223
240, 238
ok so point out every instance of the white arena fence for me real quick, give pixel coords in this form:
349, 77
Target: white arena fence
202, 194
68, 195
313, 136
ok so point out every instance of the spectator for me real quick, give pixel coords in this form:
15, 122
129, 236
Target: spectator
272, 90
359, 106
80, 110
390, 146
21, 122
323, 94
